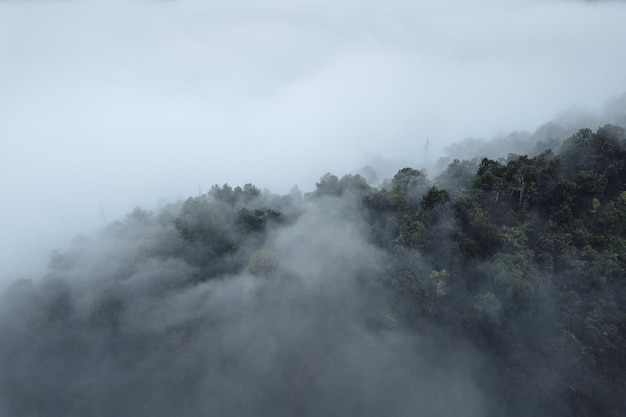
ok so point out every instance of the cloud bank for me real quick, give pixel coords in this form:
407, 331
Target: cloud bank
123, 325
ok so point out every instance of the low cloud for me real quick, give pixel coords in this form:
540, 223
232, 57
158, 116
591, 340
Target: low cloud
123, 325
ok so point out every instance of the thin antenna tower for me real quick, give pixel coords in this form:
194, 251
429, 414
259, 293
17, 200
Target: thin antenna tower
426, 147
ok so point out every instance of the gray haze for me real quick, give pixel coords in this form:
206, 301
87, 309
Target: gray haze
122, 326
106, 105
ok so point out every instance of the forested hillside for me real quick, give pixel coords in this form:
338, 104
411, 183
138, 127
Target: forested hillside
497, 288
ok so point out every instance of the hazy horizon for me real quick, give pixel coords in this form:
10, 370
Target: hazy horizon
105, 106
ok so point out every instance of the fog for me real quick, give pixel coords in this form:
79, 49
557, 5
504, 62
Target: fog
109, 105
123, 325
342, 299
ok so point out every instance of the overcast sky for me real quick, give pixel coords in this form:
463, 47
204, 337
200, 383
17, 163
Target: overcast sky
107, 105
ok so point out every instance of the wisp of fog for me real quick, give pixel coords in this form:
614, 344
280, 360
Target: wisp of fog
121, 325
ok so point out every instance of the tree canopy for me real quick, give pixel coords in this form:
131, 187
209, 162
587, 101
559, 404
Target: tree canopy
521, 261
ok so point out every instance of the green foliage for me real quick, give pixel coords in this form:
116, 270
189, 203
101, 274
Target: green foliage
409, 179
523, 259
331, 185
328, 185
411, 232
477, 235
255, 220
487, 182
515, 274
398, 197
613, 216
458, 176
354, 183
231, 195
411, 183
186, 230
434, 197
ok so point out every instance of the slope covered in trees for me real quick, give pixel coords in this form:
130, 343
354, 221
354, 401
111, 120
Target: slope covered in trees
496, 289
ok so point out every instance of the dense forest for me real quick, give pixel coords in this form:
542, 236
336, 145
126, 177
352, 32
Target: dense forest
497, 288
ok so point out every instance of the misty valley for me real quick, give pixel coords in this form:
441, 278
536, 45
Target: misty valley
495, 288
